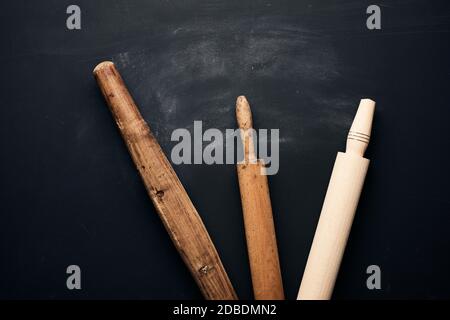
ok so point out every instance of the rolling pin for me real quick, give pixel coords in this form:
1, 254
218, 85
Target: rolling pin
168, 195
257, 211
338, 209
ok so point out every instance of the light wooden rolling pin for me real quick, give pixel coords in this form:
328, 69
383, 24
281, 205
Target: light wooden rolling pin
338, 209
170, 199
257, 210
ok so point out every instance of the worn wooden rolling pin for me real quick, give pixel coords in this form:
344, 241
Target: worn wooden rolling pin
168, 195
257, 210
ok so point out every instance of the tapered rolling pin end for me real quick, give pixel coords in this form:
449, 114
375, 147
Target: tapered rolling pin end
103, 65
338, 210
359, 134
243, 113
257, 211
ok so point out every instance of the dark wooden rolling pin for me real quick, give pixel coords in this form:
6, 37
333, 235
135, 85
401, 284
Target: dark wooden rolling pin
168, 195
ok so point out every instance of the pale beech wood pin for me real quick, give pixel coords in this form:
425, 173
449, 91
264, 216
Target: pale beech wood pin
257, 211
338, 210
168, 195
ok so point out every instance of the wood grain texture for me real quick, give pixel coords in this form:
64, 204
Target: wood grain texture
168, 195
333, 228
338, 210
257, 211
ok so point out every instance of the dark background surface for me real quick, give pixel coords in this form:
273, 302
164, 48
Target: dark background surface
70, 193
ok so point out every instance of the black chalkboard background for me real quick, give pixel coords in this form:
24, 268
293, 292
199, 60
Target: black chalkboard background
70, 193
